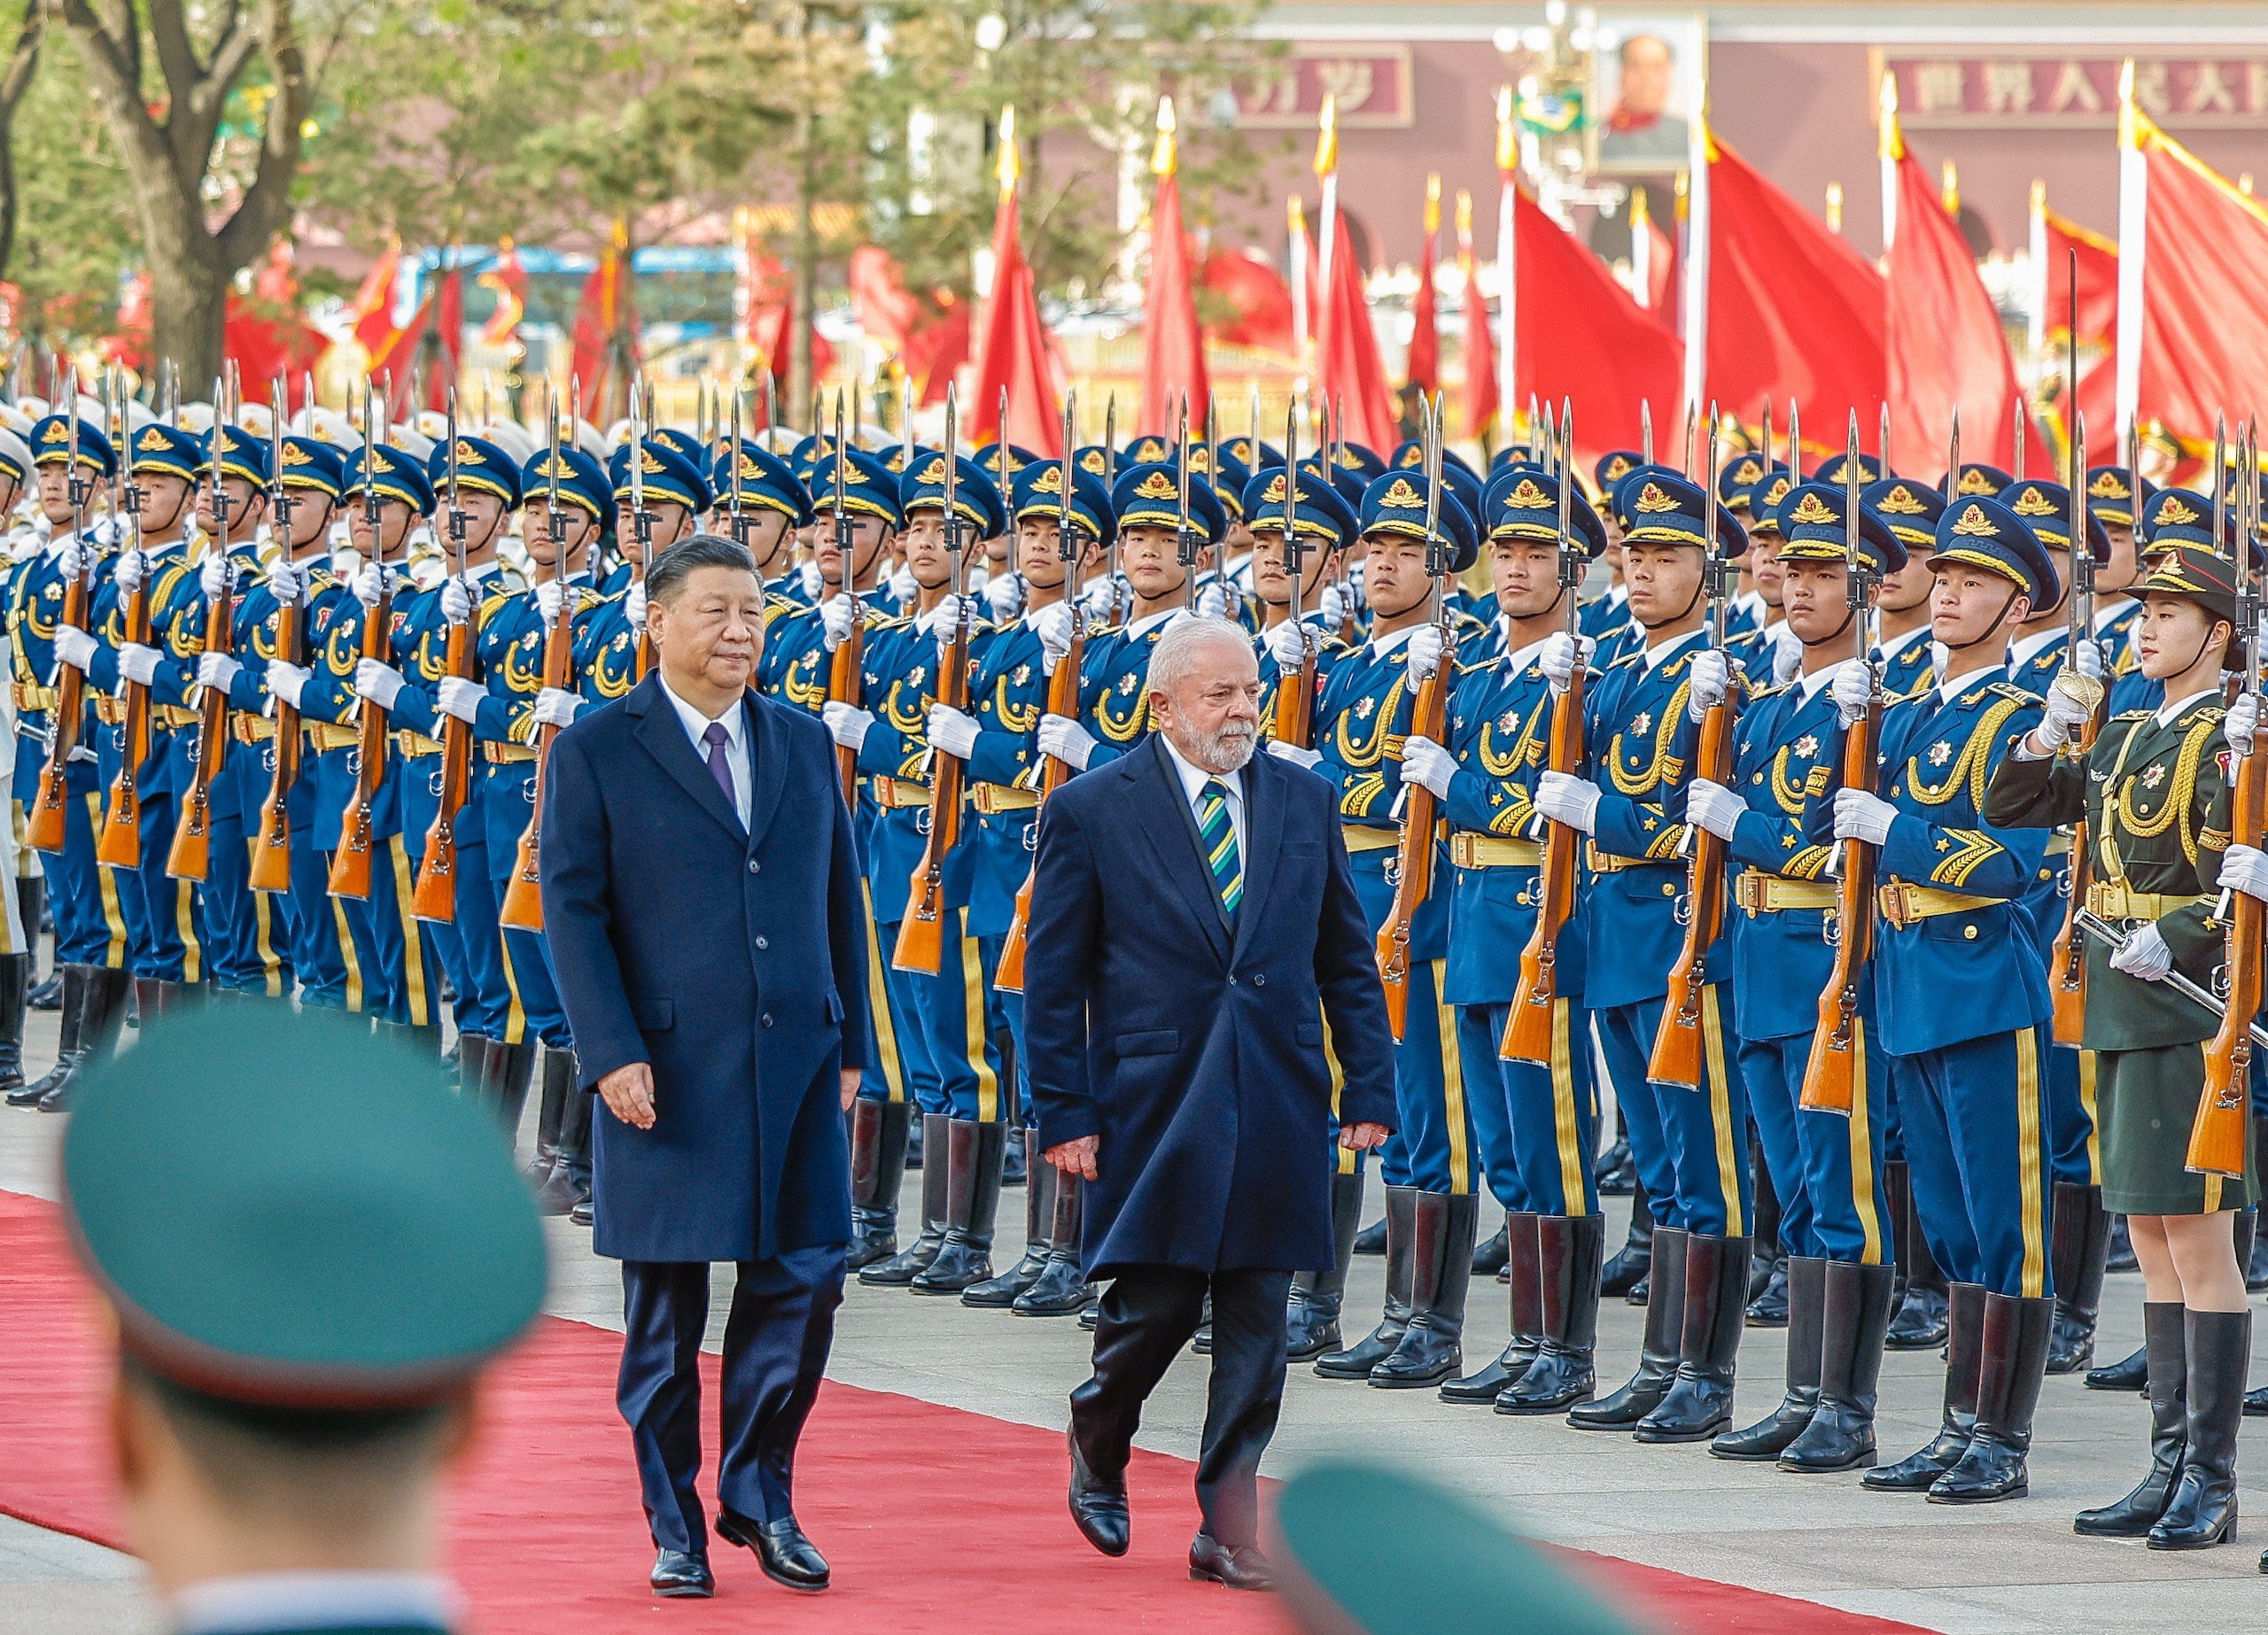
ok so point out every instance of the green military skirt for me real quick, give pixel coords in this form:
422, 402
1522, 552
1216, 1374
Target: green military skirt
2146, 1102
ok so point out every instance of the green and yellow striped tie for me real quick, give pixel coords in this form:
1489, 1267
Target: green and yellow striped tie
1220, 838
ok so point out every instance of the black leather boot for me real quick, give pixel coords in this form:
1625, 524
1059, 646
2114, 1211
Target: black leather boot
572, 1177
1919, 1324
1524, 1274
1568, 1251
1356, 1362
1657, 1352
2013, 1363
154, 998
1700, 1400
1061, 1288
1767, 1268
1631, 1262
557, 1194
1492, 1257
102, 1014
1614, 1171
31, 913
1770, 1436
878, 1137
1841, 1435
2079, 1238
1431, 1348
1039, 1215
2202, 1511
1964, 1347
2166, 1348
2129, 1373
1371, 1239
898, 1270
2121, 1257
510, 1072
1311, 1316
73, 980
975, 1151
1768, 1307
15, 983
474, 1081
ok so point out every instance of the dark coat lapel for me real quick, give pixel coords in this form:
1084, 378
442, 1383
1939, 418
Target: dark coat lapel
767, 754
662, 734
1169, 828
1264, 822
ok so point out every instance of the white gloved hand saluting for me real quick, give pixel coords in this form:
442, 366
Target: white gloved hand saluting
903, 587
454, 695
1212, 601
1428, 764
1714, 808
218, 670
137, 663
2245, 869
557, 707
133, 569
2086, 658
837, 615
848, 723
2144, 955
374, 582
71, 561
813, 582
1708, 680
1331, 606
1066, 740
1562, 656
379, 682
456, 601
75, 647
1859, 815
287, 681
1102, 600
944, 621
952, 731
1566, 799
1425, 652
550, 597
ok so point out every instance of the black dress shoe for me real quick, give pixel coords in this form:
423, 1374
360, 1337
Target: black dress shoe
782, 1549
1099, 1506
580, 1215
2127, 1374
1371, 1239
1211, 1562
681, 1577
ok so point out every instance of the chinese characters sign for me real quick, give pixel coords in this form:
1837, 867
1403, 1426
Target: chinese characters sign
1954, 88
1372, 83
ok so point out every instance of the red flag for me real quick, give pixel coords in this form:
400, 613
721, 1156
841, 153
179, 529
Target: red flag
1582, 338
934, 352
1249, 285
1349, 370
1013, 352
1173, 344
2061, 239
1946, 348
607, 310
1425, 367
444, 311
374, 304
508, 281
1482, 397
884, 307
1794, 311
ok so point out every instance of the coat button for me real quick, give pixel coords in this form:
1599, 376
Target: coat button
761, 944
1233, 979
1969, 933
1668, 890
766, 1019
1260, 981
754, 867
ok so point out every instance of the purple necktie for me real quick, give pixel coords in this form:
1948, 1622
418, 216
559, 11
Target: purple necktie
717, 738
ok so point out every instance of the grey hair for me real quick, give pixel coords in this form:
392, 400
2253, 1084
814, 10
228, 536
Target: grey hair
1175, 657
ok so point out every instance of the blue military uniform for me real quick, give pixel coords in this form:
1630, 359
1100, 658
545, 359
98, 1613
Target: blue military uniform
1910, 511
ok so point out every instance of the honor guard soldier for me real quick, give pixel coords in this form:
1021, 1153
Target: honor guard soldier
1902, 644
2112, 502
297, 1370
2153, 794
26, 884
1325, 529
964, 1113
675, 491
1362, 720
772, 506
1535, 1122
74, 466
2171, 518
1766, 651
1961, 997
1749, 610
1604, 616
1826, 1166
799, 648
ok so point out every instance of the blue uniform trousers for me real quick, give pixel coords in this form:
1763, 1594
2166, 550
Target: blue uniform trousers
469, 946
950, 1015
1006, 1013
1974, 1116
2073, 1147
1691, 1147
891, 1033
776, 1341
164, 935
247, 932
1826, 1168
90, 924
1535, 1125
402, 975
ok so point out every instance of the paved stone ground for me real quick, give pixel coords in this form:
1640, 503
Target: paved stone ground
2016, 1567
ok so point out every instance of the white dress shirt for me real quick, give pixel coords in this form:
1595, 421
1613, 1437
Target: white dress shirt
735, 726
1194, 779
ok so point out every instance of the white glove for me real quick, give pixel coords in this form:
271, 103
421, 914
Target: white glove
1213, 602
1853, 689
1569, 800
137, 662
2245, 869
848, 723
218, 669
550, 597
634, 605
2086, 658
902, 586
1332, 607
217, 576
456, 696
75, 647
2066, 713
1101, 598
2241, 725
288, 681
1426, 762
837, 615
284, 585
944, 621
1004, 594
456, 601
1708, 679
555, 707
2144, 955
1289, 645
379, 682
1713, 807
133, 568
372, 583
808, 572
1308, 759
1066, 740
1562, 654
952, 731
1053, 625
1424, 651
70, 561
1787, 659
1940, 659
1862, 817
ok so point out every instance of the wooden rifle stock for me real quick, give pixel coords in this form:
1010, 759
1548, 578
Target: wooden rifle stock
1837, 1051
271, 859
1528, 1030
43, 830
2220, 1139
436, 896
1678, 1056
350, 869
1294, 715
523, 906
1062, 700
2067, 959
921, 934
190, 859
119, 846
1414, 857
844, 685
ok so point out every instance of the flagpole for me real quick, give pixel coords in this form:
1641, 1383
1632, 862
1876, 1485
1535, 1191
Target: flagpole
2038, 246
1888, 147
2133, 248
1326, 170
1508, 261
1697, 263
1296, 226
1642, 249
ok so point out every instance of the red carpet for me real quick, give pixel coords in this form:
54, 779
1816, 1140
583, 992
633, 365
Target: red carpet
934, 1518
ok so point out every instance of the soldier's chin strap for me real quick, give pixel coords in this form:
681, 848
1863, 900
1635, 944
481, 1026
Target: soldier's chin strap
1992, 628
2205, 641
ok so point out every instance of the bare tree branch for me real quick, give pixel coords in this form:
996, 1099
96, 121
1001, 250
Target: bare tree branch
176, 56
267, 201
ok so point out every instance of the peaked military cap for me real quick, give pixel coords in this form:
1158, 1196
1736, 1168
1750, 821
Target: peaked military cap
2194, 574
242, 454
2175, 517
1039, 494
59, 438
15, 455
1977, 532
1151, 449
396, 474
582, 480
1977, 478
1831, 470
869, 488
481, 466
1764, 496
1147, 496
681, 442
1354, 457
767, 483
1351, 485
322, 1227
1323, 516
1738, 479
165, 449
1409, 455
1523, 503
667, 475
975, 500
1510, 453
1097, 460
1615, 500
1231, 477
310, 463
1814, 527
1908, 509
2046, 509
2110, 494
1395, 505
989, 461
1255, 456
1669, 509
1613, 465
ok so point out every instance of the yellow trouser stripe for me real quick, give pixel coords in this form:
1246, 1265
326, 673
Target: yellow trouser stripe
972, 1004
2029, 1162
2094, 1125
113, 911
263, 932
1720, 1112
27, 859
878, 1002
347, 955
1862, 1151
1348, 1160
192, 951
1572, 1158
413, 944
515, 1018
1452, 1086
